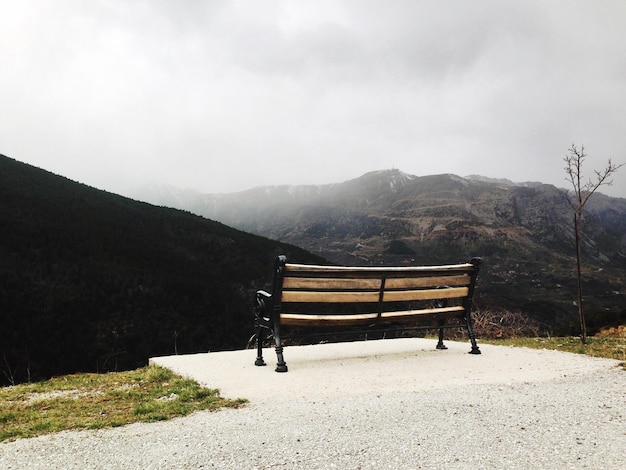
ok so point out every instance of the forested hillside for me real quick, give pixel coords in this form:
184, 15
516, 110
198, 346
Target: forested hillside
92, 281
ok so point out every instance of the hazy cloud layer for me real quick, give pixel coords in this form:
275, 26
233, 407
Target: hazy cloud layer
221, 96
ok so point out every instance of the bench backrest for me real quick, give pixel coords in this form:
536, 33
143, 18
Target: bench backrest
332, 295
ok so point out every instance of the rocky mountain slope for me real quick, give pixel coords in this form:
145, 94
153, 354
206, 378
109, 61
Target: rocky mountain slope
524, 233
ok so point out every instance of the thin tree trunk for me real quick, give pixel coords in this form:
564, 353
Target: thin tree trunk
581, 314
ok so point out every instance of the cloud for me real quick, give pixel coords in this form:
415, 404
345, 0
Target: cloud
226, 95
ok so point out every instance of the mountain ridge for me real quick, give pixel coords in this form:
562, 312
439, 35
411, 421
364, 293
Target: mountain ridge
163, 194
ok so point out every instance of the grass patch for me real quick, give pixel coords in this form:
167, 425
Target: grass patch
612, 347
94, 401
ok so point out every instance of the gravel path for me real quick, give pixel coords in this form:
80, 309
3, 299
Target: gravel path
517, 408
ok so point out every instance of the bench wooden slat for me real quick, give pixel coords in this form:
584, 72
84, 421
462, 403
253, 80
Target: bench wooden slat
299, 296
292, 283
320, 319
295, 319
329, 297
308, 268
408, 283
426, 311
425, 294
312, 283
305, 296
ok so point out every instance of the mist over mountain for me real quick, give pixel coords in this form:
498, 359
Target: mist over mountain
92, 281
523, 231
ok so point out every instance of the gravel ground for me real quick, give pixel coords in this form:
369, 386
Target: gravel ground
572, 418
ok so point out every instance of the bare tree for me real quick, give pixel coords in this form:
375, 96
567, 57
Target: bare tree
582, 192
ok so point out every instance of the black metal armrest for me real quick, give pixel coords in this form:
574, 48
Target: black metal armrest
262, 309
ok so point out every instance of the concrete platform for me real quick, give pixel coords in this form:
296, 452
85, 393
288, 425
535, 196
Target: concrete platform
373, 367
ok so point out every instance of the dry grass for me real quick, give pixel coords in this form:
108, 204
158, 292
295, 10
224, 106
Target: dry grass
610, 343
94, 401
497, 324
516, 329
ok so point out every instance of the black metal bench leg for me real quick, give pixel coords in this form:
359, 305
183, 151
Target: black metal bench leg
440, 344
259, 347
259, 308
472, 337
281, 366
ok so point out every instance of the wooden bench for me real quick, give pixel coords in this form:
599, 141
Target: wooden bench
363, 298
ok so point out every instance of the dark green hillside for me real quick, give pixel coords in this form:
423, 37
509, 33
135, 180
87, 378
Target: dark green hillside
91, 281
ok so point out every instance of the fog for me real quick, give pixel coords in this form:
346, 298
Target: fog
223, 96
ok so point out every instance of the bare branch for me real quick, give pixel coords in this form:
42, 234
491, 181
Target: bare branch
601, 179
574, 161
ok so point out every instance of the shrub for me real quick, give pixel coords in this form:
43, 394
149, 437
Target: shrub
504, 324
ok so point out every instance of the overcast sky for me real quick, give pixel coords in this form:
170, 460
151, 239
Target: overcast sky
222, 96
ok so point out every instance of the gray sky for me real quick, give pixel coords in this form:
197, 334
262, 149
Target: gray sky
222, 96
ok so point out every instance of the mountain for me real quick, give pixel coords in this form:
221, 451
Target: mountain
92, 281
523, 231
